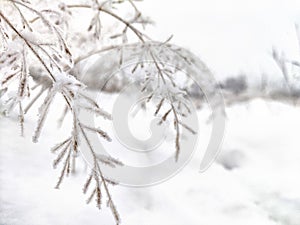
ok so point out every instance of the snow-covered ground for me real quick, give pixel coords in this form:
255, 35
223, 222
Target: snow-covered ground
254, 181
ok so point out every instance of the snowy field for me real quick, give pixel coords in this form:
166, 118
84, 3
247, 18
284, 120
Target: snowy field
255, 179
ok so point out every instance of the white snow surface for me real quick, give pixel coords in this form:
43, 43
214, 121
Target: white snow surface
254, 181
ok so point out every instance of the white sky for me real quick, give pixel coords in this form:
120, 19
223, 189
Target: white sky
231, 36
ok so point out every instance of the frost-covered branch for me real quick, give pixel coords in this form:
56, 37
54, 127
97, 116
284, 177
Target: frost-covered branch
43, 50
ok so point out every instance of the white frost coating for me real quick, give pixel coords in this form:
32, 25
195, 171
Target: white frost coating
11, 56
